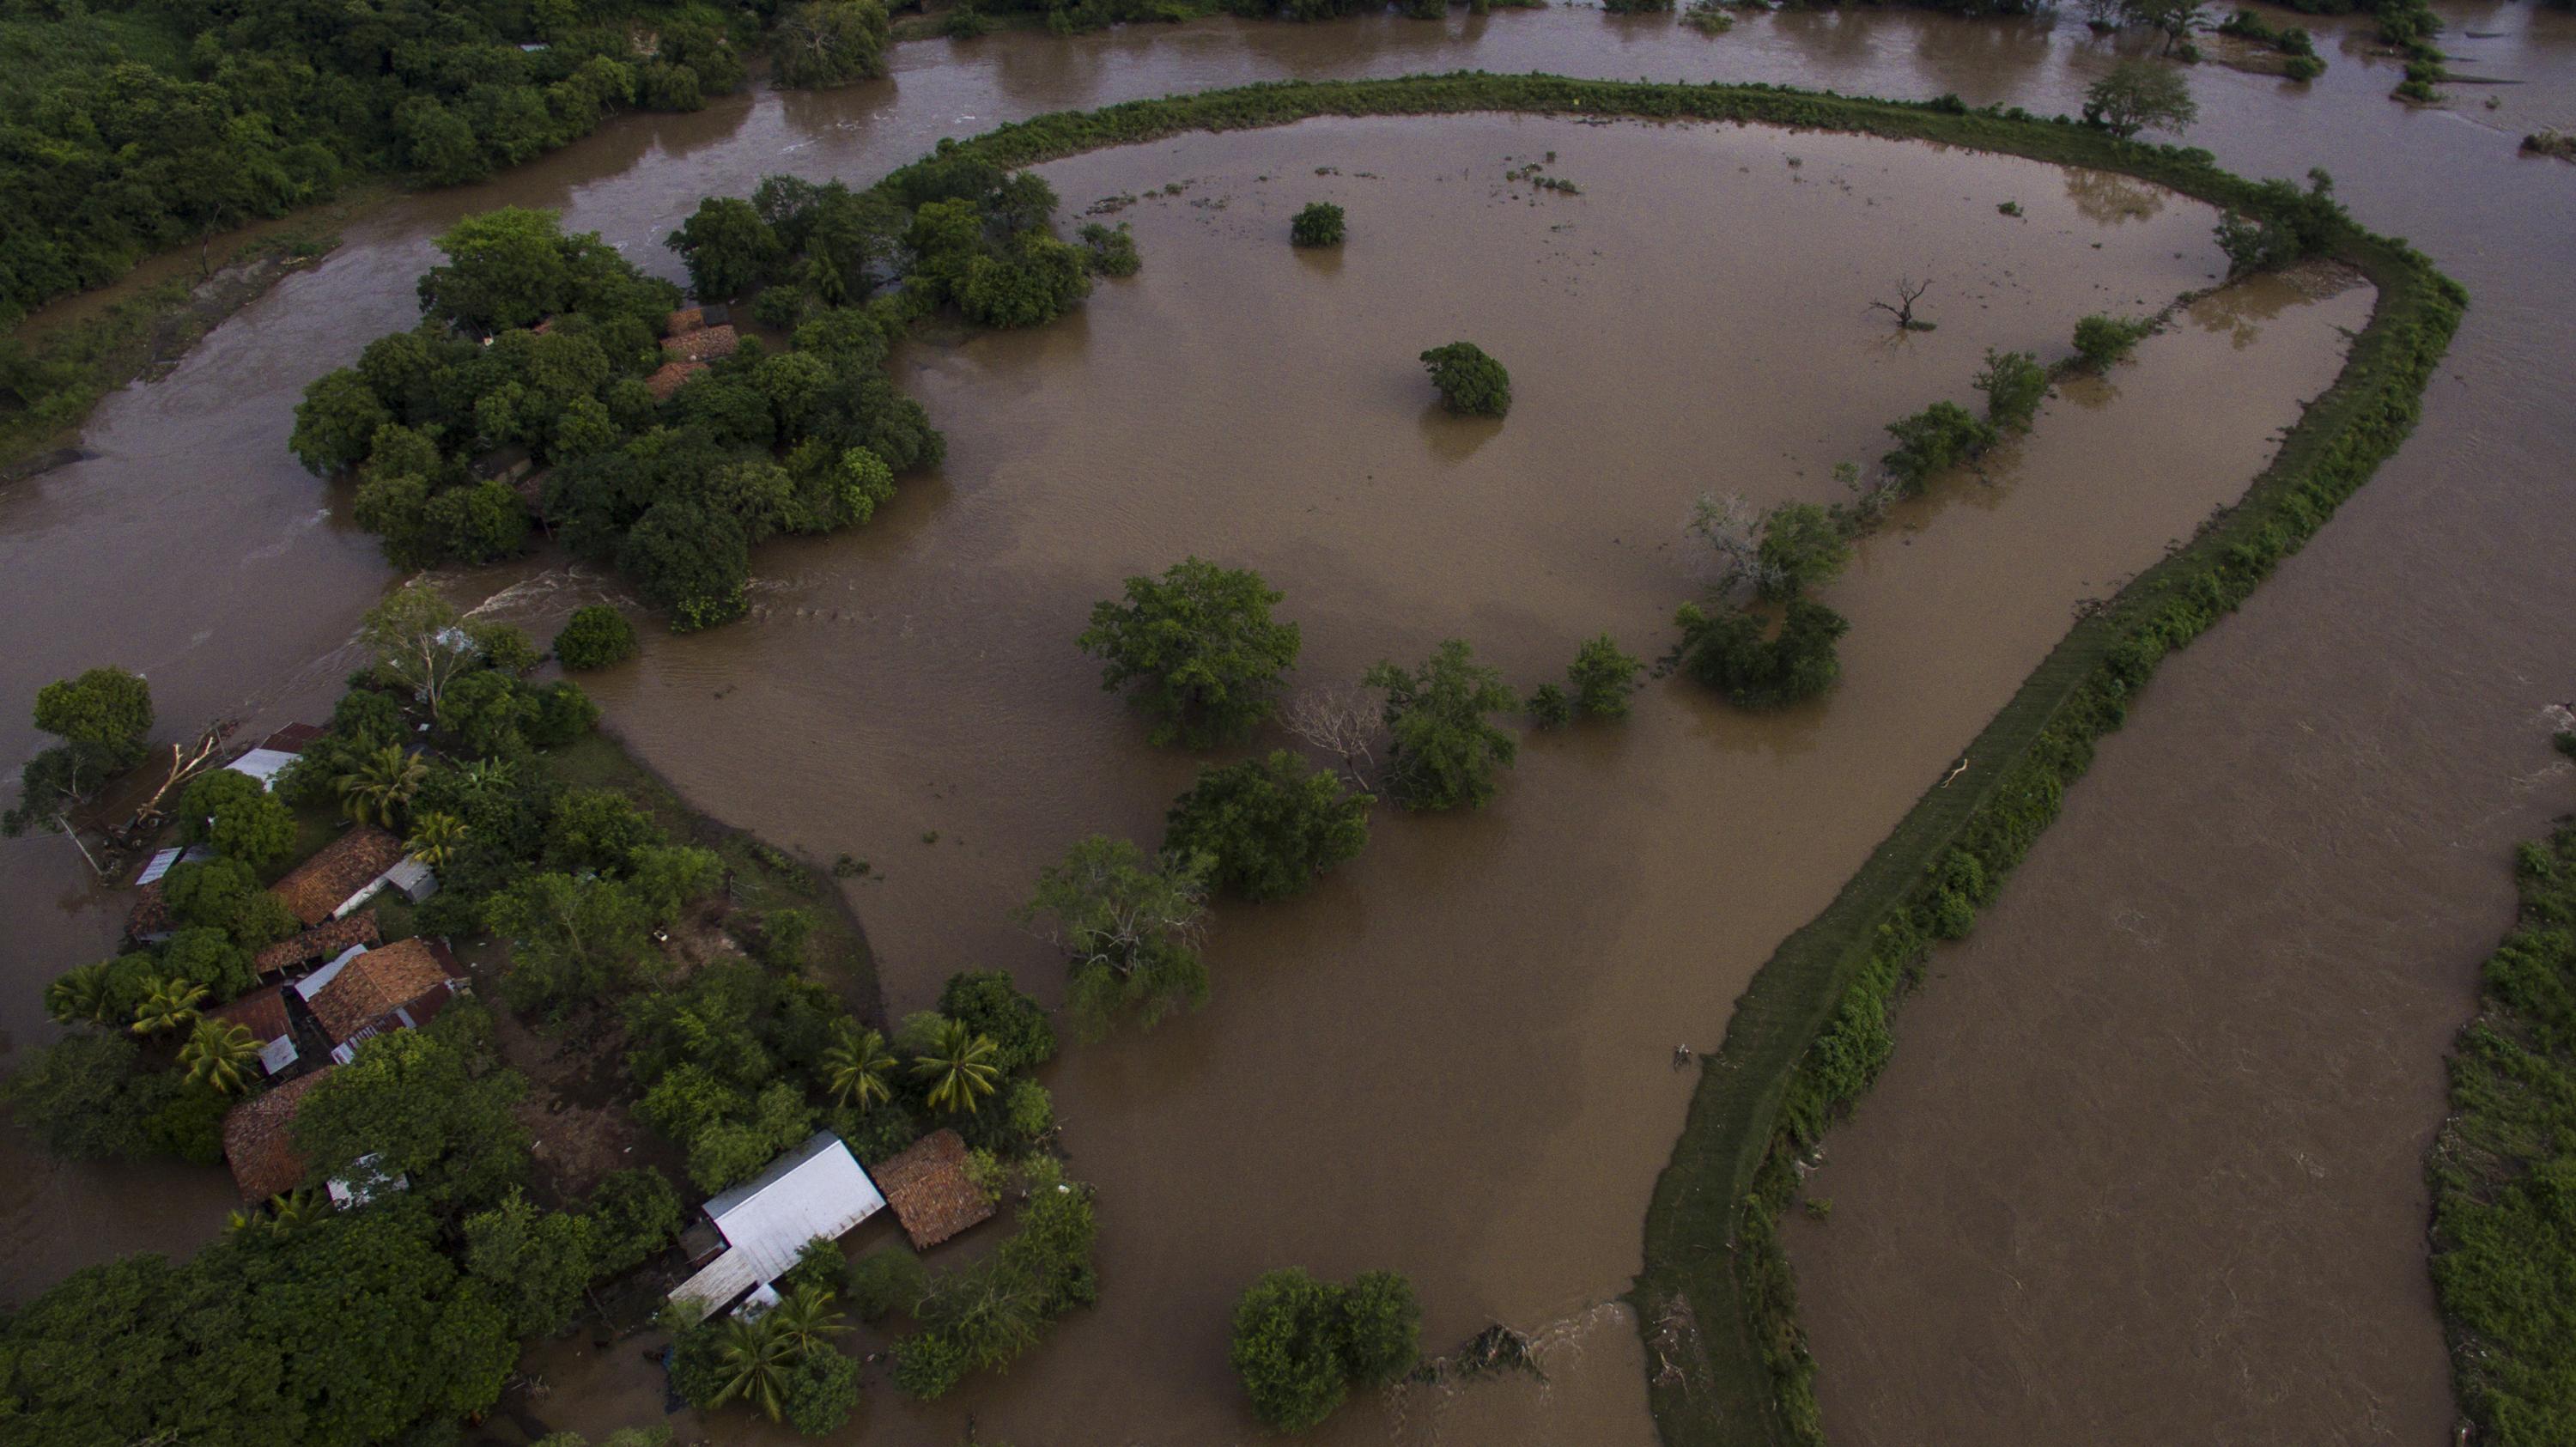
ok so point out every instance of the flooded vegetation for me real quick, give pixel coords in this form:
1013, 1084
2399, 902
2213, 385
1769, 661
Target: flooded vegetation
1455, 1057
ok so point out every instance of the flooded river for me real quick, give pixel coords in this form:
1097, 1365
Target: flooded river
1452, 1059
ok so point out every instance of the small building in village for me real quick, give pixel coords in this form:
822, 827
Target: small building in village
259, 1139
817, 1191
705, 344
270, 757
149, 921
930, 1190
322, 943
670, 377
263, 1013
366, 993
348, 871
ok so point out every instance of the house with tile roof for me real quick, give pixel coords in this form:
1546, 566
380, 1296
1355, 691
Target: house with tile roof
259, 1140
344, 874
322, 943
263, 1013
402, 986
928, 1186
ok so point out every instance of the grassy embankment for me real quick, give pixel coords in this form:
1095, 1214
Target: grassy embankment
1716, 1300
65, 370
2503, 1172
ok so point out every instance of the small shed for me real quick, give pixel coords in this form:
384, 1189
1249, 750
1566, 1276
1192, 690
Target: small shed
932, 1195
262, 764
815, 1192
263, 1013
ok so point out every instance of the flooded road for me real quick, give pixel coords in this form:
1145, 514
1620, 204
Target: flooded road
2370, 709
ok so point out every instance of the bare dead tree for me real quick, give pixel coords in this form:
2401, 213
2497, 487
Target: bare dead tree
1907, 294
1341, 722
1732, 528
187, 761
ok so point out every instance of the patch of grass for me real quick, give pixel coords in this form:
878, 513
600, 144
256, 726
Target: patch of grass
2503, 1171
760, 877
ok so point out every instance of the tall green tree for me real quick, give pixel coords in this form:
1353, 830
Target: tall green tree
2140, 95
857, 1066
1444, 751
431, 1106
1129, 929
378, 789
1200, 648
238, 816
1270, 826
727, 248
101, 717
957, 1067
829, 42
221, 1056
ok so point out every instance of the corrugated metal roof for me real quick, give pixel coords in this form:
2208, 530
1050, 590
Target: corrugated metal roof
716, 1284
262, 764
815, 1190
168, 859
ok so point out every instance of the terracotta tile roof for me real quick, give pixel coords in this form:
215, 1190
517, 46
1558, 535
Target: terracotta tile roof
376, 984
702, 344
684, 321
315, 946
344, 866
259, 1139
928, 1187
262, 1012
669, 377
292, 739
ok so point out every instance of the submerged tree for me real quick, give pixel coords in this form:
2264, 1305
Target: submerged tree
101, 718
1130, 930
1271, 826
1443, 752
1320, 224
1200, 646
1471, 383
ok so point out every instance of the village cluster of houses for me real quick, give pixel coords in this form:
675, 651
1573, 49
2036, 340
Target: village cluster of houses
336, 985
325, 991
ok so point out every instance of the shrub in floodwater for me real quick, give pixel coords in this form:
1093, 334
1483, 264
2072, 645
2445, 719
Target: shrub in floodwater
1112, 250
1708, 17
1200, 643
1602, 677
2101, 340
1803, 546
1634, 7
1470, 382
1729, 651
1272, 826
1549, 708
1443, 752
595, 637
1939, 437
1320, 224
1301, 1344
2014, 384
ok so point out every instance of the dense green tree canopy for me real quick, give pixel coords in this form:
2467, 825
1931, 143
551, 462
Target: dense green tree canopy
1300, 1344
1444, 752
829, 42
1129, 927
1270, 826
1470, 382
101, 718
1200, 647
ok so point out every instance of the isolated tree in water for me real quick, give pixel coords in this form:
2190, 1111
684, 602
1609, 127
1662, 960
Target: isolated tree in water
1201, 648
2140, 95
1129, 929
1470, 382
1444, 752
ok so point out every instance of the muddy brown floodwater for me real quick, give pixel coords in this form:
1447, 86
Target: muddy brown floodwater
2306, 814
1454, 1058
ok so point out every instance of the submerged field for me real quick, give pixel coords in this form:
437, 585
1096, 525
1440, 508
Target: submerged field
1454, 1058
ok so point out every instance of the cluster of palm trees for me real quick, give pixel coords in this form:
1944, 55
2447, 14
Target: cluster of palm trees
959, 1065
756, 1358
218, 1054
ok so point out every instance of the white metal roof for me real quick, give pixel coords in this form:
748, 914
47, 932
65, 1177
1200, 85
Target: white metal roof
262, 764
277, 1054
815, 1190
716, 1284
311, 985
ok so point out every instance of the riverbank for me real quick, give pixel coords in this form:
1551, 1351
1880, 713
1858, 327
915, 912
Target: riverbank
2502, 1252
74, 355
1813, 1031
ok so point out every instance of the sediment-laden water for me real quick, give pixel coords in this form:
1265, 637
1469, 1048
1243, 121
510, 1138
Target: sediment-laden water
2367, 719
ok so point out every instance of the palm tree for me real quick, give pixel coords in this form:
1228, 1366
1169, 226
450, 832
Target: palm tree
754, 1358
219, 1055
806, 1318
434, 837
959, 1065
170, 1004
380, 785
79, 996
281, 1215
856, 1066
